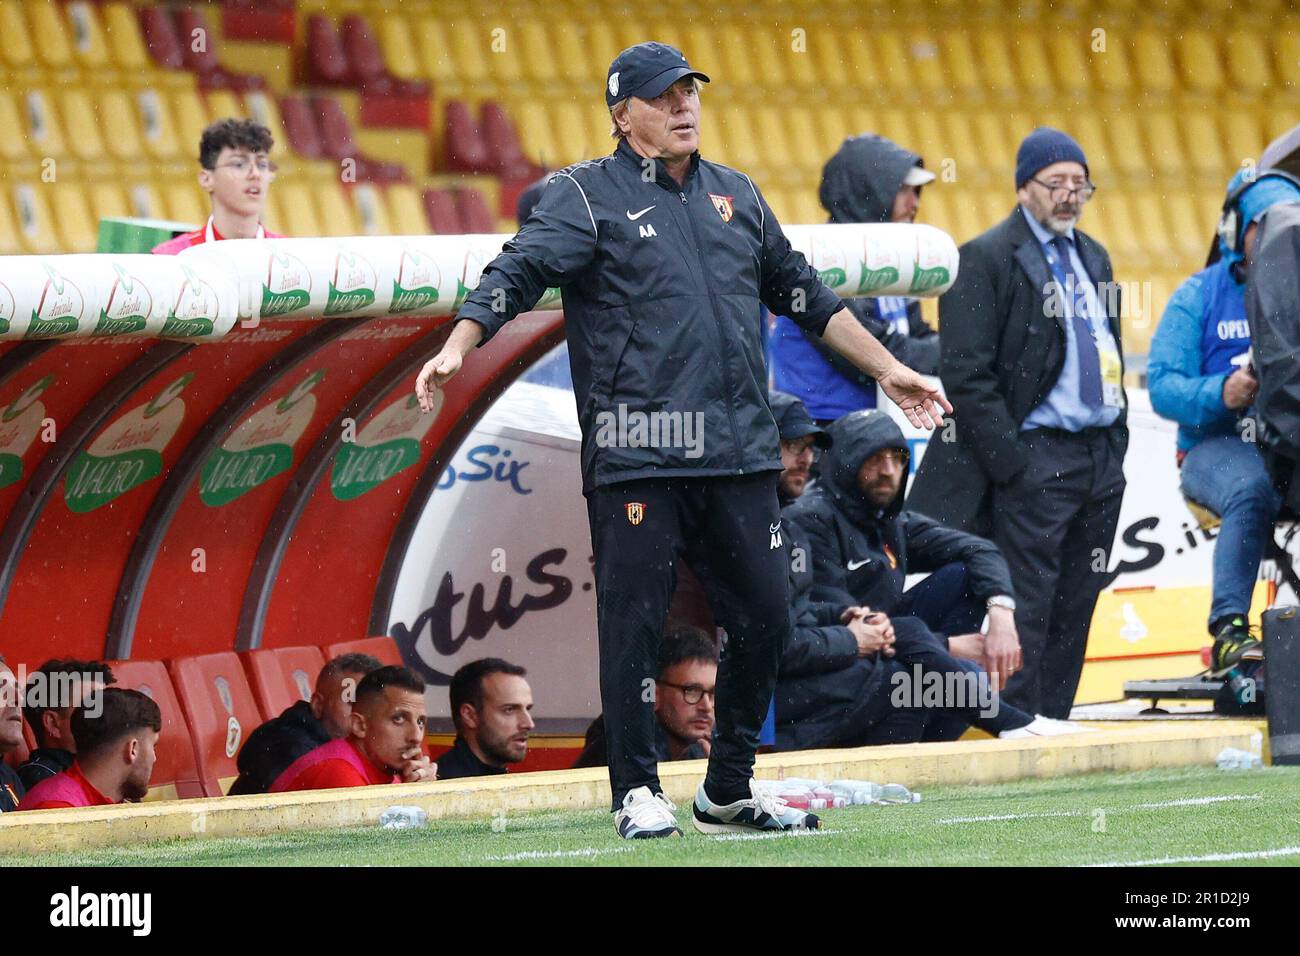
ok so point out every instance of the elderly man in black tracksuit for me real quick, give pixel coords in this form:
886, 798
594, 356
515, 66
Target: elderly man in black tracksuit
664, 261
844, 659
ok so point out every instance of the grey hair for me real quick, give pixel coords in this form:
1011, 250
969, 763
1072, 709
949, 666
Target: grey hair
615, 132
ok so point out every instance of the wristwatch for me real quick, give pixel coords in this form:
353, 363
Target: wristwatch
1001, 600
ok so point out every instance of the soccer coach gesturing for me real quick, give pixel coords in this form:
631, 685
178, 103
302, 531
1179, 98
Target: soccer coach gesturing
663, 260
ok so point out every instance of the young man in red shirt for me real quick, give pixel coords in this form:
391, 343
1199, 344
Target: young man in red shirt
383, 745
116, 732
236, 172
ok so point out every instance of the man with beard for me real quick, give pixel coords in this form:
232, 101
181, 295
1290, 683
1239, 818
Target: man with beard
1033, 364
869, 179
491, 706
116, 731
860, 641
53, 692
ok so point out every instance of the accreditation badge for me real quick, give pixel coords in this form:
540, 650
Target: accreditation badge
1112, 390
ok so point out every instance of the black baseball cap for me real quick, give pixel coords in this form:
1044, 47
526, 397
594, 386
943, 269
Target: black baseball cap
646, 70
793, 420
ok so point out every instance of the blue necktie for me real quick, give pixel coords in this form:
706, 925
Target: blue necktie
1072, 289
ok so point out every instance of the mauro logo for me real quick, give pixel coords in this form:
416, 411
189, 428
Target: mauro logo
76, 909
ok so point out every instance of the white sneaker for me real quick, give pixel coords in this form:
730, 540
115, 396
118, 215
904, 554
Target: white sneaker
1042, 726
762, 811
646, 815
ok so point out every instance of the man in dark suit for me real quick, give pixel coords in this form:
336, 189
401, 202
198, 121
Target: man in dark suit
1031, 361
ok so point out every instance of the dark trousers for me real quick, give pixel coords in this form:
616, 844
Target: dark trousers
1055, 524
727, 530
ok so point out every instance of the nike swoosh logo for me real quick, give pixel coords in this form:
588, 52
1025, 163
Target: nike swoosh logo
854, 565
636, 216
775, 528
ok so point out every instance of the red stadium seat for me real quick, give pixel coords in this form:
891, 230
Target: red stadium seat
301, 127
339, 144
203, 61
362, 51
502, 142
221, 711
383, 649
464, 149
326, 61
282, 676
444, 216
474, 214
175, 774
161, 38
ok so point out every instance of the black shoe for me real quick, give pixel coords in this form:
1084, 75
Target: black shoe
1233, 642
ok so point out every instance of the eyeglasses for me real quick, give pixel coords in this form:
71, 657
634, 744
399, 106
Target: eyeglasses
797, 446
692, 692
1063, 193
896, 455
242, 167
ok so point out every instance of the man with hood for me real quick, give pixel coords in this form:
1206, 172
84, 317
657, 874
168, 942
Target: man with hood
845, 662
869, 179
1200, 376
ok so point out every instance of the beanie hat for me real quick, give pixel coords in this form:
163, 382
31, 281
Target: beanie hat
1043, 147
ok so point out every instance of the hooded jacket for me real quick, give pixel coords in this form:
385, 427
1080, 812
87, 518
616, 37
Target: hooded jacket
663, 287
272, 747
859, 184
862, 554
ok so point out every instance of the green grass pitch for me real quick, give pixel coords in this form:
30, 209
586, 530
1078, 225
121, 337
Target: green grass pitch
1194, 815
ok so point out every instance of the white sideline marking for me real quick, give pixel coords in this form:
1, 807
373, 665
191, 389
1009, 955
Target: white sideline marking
556, 854
771, 836
1207, 858
1185, 802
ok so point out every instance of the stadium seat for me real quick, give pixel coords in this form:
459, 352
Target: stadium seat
534, 51
334, 208
126, 41
383, 649
158, 137
300, 127
573, 61
463, 148
16, 46
89, 43
81, 124
186, 203
371, 211
175, 774
282, 676
367, 59
961, 71
13, 148
470, 44
161, 38
570, 134
397, 45
442, 212
44, 129
118, 115
199, 48
72, 219
406, 209
1286, 55
475, 217
325, 62
108, 201
298, 207
1153, 64
54, 51
223, 104
35, 223
1109, 65
191, 116
1198, 58
1247, 61
1204, 147
220, 710
501, 141
145, 201
10, 244
1164, 152
1033, 67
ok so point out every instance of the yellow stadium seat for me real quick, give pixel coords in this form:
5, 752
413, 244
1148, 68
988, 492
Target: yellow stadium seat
1090, 132
862, 71
963, 74
997, 151
89, 43
1126, 150
1109, 62
224, 104
1032, 67
571, 134
108, 201
927, 135
35, 224
1247, 59
935, 209
1164, 145
13, 146
780, 202
1242, 138
801, 135
743, 149
928, 67
995, 63
125, 42
395, 35
10, 244
77, 231
146, 202
53, 51
1153, 63
263, 109
299, 210
967, 215
470, 43
1186, 230
1068, 55
406, 211
957, 142
430, 35
1148, 211
191, 117
158, 131
833, 127
83, 128
602, 46
632, 31
895, 65
574, 63
761, 46
186, 203
16, 47
896, 125
806, 208
713, 137
1286, 54
510, 55
334, 211
770, 125
117, 116
272, 218
371, 211
801, 63
1198, 58
1204, 146
534, 130
1129, 245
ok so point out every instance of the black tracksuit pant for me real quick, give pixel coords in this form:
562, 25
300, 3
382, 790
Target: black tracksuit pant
728, 531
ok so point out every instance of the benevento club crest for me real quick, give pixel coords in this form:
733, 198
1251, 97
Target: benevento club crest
635, 512
724, 207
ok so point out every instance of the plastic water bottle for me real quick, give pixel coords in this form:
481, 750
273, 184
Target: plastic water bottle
864, 791
403, 818
1231, 758
897, 793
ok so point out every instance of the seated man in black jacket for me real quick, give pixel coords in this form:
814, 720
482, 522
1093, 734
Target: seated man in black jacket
492, 708
54, 691
11, 738
851, 674
308, 724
